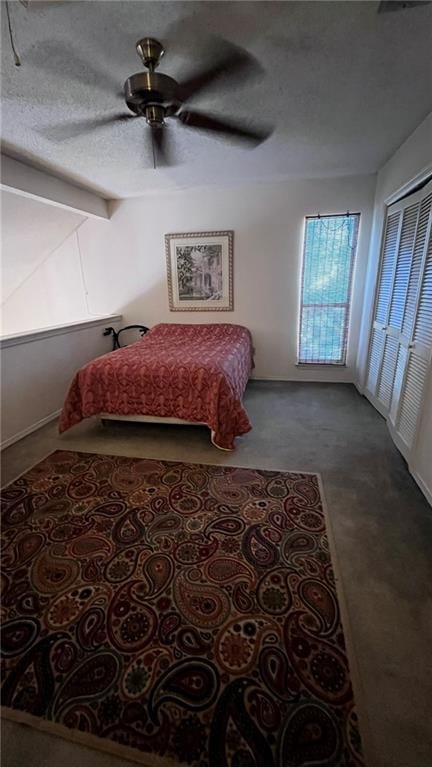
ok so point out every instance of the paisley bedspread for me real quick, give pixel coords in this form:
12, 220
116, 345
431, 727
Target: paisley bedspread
194, 372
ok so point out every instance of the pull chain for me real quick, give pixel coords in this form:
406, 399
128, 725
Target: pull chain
153, 149
17, 60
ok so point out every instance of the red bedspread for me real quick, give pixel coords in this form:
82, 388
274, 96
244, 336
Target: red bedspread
195, 372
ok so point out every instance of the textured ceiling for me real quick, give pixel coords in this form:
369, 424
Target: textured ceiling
344, 86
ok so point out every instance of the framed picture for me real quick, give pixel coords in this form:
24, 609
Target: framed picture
200, 271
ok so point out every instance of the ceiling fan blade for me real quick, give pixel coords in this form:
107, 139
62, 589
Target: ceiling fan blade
235, 63
160, 146
399, 5
209, 123
61, 59
72, 129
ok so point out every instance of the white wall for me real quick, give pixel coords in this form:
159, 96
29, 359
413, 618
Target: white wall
54, 294
411, 163
42, 286
29, 231
37, 370
42, 283
125, 267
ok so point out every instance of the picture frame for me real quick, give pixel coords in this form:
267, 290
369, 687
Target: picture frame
200, 271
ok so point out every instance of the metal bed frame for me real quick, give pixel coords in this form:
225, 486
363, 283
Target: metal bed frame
116, 333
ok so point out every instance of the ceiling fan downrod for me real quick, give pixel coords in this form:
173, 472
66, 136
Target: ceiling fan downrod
150, 94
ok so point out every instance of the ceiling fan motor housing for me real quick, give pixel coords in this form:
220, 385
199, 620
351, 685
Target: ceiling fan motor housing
149, 94
150, 89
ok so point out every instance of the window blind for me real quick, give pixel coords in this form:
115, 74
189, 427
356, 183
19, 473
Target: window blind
328, 258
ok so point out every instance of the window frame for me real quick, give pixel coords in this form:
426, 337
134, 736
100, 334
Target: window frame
347, 305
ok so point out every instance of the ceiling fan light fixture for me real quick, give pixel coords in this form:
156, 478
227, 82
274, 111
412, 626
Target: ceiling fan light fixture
154, 114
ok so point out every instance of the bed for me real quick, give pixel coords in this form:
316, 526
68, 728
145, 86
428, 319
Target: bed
177, 373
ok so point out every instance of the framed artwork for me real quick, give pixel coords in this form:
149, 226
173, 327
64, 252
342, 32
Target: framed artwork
200, 271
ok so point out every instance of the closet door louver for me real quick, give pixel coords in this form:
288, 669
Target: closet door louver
411, 399
423, 323
391, 302
376, 349
399, 325
384, 292
400, 349
418, 328
404, 264
387, 372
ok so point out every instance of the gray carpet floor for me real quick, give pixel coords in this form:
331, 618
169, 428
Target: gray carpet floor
381, 526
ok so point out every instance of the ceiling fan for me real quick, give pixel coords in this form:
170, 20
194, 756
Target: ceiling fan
157, 97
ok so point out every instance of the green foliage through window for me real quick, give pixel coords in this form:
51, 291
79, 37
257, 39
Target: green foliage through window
328, 259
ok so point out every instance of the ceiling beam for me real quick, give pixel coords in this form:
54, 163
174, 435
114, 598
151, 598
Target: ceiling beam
19, 178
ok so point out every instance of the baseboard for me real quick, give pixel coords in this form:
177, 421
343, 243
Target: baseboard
298, 380
403, 449
28, 430
270, 378
423, 487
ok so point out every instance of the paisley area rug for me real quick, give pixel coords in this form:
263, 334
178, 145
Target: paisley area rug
175, 613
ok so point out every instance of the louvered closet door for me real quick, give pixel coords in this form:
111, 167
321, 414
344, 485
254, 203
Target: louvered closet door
397, 305
383, 297
401, 338
416, 352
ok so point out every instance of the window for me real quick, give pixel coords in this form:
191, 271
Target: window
328, 258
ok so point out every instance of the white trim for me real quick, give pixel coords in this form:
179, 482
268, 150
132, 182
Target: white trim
403, 190
29, 429
379, 407
271, 378
24, 180
373, 275
319, 365
349, 380
55, 330
410, 199
423, 486
398, 441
